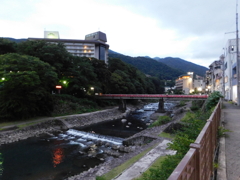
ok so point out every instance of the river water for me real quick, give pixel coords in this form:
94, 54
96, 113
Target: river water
72, 152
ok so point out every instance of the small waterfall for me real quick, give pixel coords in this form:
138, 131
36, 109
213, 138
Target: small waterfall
94, 136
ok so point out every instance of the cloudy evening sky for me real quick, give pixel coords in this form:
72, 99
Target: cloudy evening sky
194, 30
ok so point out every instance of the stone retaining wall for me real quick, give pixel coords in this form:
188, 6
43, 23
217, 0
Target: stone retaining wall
56, 125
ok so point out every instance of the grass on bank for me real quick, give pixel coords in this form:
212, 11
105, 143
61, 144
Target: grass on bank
155, 165
116, 171
166, 135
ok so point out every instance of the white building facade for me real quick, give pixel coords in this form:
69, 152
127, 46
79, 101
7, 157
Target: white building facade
94, 45
230, 70
185, 83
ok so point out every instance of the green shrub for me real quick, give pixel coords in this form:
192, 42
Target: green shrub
194, 108
222, 131
160, 121
193, 123
167, 166
213, 100
196, 105
182, 103
100, 178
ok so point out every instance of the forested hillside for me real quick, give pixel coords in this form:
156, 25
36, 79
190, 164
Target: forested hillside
179, 63
174, 68
150, 66
30, 71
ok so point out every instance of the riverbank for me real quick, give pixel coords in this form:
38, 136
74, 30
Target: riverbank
58, 124
152, 133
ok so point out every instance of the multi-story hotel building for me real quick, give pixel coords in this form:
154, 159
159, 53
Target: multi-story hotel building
185, 83
94, 45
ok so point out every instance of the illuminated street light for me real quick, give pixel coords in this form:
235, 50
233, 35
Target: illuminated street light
64, 82
92, 88
3, 78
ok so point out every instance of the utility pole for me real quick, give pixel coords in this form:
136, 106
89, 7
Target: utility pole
222, 57
238, 65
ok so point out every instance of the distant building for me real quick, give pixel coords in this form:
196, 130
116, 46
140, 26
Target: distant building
185, 83
214, 76
94, 45
199, 84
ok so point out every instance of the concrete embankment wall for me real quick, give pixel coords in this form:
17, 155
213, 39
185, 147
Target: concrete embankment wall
58, 124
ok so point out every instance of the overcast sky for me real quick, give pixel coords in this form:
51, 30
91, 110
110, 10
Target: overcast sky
194, 30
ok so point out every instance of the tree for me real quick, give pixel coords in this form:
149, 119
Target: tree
25, 87
7, 46
103, 75
54, 54
80, 76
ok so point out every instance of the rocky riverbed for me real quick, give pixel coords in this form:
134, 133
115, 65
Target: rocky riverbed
58, 124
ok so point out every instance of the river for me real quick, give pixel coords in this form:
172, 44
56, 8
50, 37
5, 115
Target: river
69, 153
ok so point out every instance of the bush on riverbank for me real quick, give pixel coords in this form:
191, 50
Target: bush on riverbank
193, 123
67, 104
213, 99
160, 121
197, 104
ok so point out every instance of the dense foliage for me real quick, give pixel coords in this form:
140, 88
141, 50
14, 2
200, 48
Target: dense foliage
192, 125
30, 70
213, 99
25, 88
160, 121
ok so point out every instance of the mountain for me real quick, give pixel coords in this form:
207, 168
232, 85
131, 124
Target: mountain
179, 63
15, 40
112, 52
165, 68
150, 66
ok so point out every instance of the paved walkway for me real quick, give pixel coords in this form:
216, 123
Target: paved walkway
231, 119
145, 162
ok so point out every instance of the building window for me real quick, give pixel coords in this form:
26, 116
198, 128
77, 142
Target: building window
102, 52
225, 67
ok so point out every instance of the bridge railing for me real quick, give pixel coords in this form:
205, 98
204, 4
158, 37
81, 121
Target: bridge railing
197, 164
129, 96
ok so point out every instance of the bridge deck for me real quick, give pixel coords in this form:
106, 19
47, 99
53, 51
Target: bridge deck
152, 96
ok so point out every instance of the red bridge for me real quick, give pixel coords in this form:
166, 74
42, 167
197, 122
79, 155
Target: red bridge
161, 98
153, 96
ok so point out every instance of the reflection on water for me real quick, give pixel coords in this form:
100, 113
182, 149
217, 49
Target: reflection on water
1, 164
58, 155
43, 158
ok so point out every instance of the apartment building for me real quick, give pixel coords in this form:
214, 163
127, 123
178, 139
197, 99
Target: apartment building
94, 45
199, 84
185, 83
214, 76
230, 70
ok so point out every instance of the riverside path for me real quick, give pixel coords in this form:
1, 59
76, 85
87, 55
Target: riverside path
230, 150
